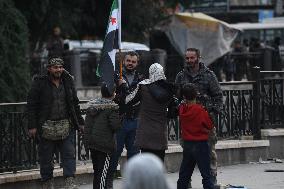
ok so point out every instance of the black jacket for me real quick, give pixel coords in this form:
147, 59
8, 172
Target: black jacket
40, 98
128, 111
152, 120
102, 122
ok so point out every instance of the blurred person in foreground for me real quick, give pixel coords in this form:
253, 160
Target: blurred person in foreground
145, 171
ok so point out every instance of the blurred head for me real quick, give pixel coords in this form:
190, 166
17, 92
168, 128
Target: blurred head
189, 91
192, 56
144, 171
106, 93
156, 72
131, 61
56, 31
55, 67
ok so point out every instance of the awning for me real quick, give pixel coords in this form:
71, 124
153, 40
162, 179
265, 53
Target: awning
212, 36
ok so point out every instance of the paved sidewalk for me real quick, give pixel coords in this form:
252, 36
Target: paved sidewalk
253, 176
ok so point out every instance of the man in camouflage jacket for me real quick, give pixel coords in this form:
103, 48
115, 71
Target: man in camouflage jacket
210, 95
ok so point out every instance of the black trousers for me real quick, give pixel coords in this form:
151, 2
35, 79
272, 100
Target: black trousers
100, 162
195, 152
159, 153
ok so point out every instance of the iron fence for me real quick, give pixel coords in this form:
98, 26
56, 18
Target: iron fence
247, 107
19, 152
271, 100
236, 118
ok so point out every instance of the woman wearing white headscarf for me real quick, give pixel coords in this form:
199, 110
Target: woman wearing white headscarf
144, 171
154, 95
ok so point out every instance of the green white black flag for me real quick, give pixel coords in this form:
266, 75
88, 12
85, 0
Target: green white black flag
106, 66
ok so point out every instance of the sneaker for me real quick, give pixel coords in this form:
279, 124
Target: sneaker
49, 184
70, 183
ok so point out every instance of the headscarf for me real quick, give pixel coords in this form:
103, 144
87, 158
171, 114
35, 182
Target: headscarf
156, 73
145, 171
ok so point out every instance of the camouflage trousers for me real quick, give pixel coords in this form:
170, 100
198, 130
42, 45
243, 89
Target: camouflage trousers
212, 140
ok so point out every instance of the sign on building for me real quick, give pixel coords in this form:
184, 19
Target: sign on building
264, 14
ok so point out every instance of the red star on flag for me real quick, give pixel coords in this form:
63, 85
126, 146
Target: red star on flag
112, 20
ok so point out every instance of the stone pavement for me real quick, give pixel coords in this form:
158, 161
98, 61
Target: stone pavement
252, 175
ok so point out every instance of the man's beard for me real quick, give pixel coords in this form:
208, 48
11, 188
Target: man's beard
56, 75
129, 70
189, 66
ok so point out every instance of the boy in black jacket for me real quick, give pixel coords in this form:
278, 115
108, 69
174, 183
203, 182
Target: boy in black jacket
102, 122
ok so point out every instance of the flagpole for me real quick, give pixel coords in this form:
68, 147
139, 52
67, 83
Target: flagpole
120, 64
119, 39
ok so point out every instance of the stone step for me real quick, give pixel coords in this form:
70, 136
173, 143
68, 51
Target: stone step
229, 152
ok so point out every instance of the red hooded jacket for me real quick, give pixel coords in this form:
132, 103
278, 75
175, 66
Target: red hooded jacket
195, 122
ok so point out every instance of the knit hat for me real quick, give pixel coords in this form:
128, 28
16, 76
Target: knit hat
55, 61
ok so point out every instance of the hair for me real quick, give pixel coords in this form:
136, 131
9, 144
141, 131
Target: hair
145, 171
105, 91
197, 51
189, 91
132, 53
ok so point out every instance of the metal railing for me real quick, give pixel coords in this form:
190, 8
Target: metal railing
271, 99
236, 118
247, 107
17, 151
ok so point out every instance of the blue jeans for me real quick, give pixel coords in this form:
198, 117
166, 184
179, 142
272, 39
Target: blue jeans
125, 137
195, 152
66, 148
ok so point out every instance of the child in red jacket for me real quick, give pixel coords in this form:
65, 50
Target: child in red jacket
195, 125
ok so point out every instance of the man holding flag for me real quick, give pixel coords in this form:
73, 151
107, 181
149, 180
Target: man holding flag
126, 135
126, 80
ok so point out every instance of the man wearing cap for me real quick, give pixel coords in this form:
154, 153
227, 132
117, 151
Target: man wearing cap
53, 116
